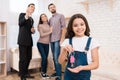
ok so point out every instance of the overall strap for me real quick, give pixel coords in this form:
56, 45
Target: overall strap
88, 44
70, 41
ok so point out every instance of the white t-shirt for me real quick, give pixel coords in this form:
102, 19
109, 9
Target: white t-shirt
79, 44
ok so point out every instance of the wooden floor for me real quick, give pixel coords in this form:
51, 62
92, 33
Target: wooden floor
14, 76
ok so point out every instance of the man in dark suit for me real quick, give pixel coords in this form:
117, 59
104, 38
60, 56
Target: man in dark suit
25, 41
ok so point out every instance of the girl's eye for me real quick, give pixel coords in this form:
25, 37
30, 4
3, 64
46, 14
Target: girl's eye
75, 25
81, 24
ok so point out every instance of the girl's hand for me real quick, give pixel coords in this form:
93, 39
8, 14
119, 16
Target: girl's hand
76, 69
69, 48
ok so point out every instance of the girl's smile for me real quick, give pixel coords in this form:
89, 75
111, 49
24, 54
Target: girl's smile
79, 27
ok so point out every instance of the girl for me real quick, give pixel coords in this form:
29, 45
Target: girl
80, 49
43, 42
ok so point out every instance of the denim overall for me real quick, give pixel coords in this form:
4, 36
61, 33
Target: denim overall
80, 59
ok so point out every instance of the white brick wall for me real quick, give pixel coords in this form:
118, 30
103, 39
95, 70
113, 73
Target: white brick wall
104, 21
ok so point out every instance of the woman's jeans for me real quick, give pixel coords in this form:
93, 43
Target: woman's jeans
44, 50
55, 47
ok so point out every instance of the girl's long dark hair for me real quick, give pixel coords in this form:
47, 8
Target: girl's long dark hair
40, 19
70, 33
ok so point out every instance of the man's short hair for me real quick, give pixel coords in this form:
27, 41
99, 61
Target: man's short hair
31, 4
50, 5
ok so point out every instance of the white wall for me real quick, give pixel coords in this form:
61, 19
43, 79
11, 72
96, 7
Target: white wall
10, 15
103, 21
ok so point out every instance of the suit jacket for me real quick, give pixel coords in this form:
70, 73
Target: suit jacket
25, 34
